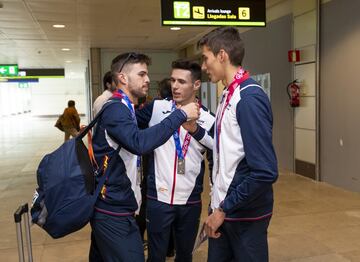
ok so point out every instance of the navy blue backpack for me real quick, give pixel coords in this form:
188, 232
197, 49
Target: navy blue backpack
64, 200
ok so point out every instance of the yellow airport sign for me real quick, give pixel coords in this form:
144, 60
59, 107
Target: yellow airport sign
198, 12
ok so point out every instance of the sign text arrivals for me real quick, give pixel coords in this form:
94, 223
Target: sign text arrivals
215, 14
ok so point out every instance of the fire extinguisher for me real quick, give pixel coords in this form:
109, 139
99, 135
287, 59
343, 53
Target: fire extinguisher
293, 90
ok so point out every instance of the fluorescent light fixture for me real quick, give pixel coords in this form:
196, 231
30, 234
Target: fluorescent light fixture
59, 26
65, 49
68, 61
175, 28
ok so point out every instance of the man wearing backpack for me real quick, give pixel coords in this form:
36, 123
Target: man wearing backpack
115, 235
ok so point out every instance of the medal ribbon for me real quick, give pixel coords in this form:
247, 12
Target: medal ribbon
122, 95
181, 151
239, 77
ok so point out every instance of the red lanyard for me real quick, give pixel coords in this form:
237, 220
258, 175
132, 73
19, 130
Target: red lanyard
186, 144
187, 138
181, 151
117, 94
239, 77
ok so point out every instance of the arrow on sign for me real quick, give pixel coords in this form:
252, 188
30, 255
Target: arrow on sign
9, 70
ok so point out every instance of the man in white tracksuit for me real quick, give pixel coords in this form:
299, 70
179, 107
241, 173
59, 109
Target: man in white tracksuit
245, 165
176, 169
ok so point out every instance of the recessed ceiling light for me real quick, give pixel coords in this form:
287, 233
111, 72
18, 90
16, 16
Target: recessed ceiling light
65, 49
175, 28
68, 61
58, 26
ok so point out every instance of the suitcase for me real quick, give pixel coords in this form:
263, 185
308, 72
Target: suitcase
23, 210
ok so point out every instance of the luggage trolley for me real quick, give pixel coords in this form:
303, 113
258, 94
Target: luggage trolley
23, 210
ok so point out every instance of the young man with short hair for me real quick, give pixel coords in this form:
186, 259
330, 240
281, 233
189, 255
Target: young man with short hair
245, 165
115, 235
175, 177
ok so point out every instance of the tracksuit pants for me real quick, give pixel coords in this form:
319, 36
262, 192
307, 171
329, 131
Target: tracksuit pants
161, 218
240, 241
115, 239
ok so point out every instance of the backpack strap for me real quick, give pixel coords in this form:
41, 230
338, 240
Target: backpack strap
91, 150
113, 157
86, 130
94, 121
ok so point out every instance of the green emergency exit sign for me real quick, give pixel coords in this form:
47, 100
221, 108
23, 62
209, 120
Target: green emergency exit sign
9, 70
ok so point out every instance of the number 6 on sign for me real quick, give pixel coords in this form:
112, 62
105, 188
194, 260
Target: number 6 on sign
244, 13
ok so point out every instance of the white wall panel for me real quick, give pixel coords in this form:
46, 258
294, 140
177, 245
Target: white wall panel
305, 114
302, 6
305, 145
280, 9
305, 30
307, 54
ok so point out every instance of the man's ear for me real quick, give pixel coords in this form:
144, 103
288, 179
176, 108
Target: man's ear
197, 85
122, 78
222, 55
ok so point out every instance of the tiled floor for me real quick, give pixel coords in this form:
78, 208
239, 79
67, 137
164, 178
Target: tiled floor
312, 222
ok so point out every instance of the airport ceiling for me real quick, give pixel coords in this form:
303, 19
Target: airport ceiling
28, 38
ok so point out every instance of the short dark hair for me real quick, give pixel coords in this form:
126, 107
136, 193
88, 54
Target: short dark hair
192, 66
71, 103
107, 80
121, 60
165, 88
227, 38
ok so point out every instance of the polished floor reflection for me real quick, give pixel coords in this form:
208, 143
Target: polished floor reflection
312, 222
